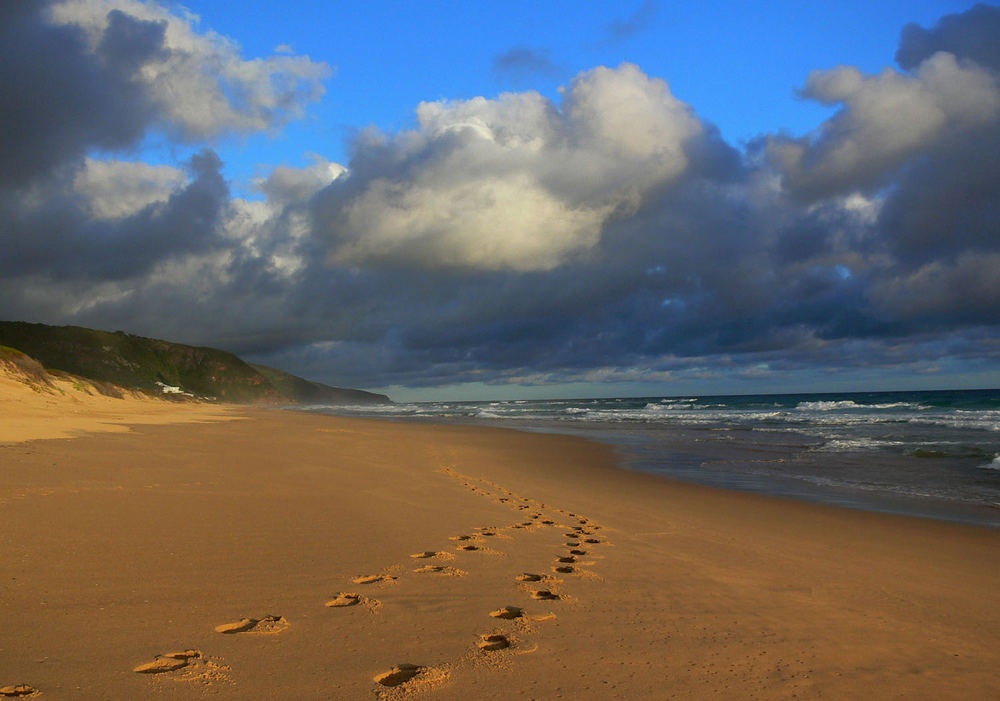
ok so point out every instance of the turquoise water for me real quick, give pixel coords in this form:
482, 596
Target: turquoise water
933, 453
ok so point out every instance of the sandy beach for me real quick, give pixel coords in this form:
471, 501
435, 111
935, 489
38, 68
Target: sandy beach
288, 555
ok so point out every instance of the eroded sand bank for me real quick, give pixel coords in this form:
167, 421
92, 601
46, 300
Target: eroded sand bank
289, 555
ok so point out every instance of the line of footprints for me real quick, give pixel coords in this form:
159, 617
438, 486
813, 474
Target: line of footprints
580, 534
581, 537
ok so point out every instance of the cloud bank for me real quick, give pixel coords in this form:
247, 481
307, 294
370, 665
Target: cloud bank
608, 236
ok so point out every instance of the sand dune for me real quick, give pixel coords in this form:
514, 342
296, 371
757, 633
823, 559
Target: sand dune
59, 406
154, 564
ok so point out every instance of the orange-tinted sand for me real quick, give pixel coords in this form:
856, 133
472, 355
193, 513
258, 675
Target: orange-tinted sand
65, 407
298, 556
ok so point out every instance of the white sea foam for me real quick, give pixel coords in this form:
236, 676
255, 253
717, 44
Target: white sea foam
986, 420
851, 404
826, 405
856, 444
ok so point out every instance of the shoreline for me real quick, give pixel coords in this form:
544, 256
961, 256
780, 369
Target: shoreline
633, 458
690, 591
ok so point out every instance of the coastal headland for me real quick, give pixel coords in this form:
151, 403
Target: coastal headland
232, 552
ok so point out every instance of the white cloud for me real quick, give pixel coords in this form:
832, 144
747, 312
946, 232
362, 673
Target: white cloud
492, 223
117, 189
885, 119
512, 183
198, 84
287, 185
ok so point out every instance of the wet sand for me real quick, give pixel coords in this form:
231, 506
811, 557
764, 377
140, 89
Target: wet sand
290, 555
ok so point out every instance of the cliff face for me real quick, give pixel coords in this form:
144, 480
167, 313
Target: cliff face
151, 365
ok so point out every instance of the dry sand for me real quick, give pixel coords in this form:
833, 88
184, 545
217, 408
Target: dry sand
298, 556
61, 407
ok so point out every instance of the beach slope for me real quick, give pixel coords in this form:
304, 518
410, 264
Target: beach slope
289, 555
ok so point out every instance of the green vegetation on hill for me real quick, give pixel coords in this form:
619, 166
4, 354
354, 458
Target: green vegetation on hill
141, 363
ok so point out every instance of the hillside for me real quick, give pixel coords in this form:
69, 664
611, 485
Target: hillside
308, 392
155, 366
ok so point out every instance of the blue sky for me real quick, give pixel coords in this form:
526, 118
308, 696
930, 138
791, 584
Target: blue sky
497, 200
738, 64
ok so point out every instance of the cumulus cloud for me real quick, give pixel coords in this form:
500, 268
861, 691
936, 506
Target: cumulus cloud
86, 77
62, 228
197, 83
513, 183
886, 119
116, 189
82, 75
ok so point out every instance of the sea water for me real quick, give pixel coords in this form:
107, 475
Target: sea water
934, 453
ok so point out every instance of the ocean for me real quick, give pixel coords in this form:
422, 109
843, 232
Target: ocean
933, 454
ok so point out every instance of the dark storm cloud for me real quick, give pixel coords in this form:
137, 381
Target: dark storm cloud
971, 34
128, 43
60, 238
519, 64
59, 98
946, 203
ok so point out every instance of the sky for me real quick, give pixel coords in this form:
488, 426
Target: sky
454, 200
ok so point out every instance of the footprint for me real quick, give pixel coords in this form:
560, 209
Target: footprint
566, 558
548, 522
493, 641
508, 613
544, 617
345, 598
18, 690
373, 578
529, 577
350, 598
460, 537
400, 674
267, 624
592, 540
572, 544
168, 662
564, 569
577, 552
440, 569
430, 553
468, 547
544, 595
